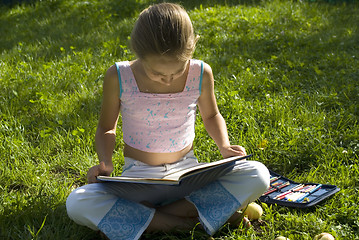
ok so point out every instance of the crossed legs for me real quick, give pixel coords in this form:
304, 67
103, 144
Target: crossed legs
101, 207
182, 215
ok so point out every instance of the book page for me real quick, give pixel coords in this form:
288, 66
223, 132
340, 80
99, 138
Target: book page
176, 176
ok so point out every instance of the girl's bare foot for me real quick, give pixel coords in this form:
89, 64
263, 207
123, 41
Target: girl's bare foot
167, 222
239, 220
103, 236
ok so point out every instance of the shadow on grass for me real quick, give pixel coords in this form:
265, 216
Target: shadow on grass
56, 24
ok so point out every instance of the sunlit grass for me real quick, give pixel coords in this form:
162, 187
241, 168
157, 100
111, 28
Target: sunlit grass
286, 82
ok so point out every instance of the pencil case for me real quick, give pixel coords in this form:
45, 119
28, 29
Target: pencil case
285, 192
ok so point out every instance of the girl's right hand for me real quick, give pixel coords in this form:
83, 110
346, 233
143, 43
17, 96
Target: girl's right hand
101, 169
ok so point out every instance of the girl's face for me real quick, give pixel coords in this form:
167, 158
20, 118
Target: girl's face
163, 69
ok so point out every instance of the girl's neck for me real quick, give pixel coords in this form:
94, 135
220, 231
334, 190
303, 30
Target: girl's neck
146, 85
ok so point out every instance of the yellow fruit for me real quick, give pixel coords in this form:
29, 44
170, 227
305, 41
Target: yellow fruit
281, 238
324, 236
253, 211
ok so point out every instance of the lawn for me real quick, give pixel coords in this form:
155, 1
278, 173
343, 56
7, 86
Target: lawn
287, 83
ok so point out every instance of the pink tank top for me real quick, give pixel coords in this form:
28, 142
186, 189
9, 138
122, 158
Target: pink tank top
159, 123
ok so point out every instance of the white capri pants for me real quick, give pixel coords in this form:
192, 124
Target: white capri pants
115, 208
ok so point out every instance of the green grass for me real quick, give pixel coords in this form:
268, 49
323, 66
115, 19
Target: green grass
287, 83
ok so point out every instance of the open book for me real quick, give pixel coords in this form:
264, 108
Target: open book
174, 178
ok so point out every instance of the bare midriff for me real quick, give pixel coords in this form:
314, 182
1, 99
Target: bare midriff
155, 158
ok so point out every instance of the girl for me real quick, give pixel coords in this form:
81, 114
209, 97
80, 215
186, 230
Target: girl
157, 95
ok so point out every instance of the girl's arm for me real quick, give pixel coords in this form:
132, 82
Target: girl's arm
212, 118
106, 129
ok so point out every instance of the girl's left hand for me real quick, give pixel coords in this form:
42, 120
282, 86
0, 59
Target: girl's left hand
233, 150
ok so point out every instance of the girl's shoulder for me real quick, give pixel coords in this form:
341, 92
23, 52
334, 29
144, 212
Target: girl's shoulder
207, 71
206, 67
111, 77
111, 72
120, 69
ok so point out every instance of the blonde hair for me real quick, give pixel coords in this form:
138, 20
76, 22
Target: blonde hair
164, 29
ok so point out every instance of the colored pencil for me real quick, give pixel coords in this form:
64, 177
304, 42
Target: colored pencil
277, 188
295, 188
273, 179
315, 188
294, 196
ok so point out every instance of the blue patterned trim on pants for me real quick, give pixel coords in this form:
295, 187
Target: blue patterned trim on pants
215, 205
126, 220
